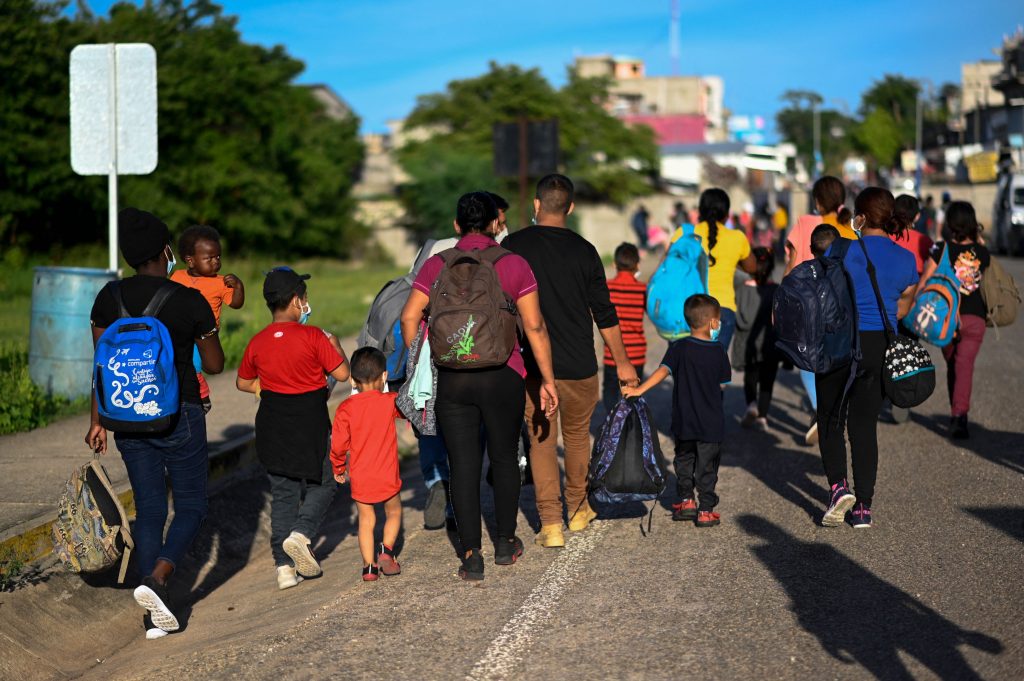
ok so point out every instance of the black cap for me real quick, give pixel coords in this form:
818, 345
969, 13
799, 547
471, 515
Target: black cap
282, 282
142, 235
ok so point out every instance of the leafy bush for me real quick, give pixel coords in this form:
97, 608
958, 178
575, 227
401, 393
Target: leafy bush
25, 405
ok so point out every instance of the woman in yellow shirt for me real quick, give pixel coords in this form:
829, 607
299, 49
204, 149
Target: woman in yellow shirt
727, 249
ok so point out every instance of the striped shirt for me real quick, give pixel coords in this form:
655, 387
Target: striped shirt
629, 297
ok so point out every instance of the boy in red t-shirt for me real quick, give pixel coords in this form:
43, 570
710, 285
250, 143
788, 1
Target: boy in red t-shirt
364, 451
629, 296
199, 247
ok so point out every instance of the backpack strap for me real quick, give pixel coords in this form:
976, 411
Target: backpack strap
889, 333
115, 290
166, 290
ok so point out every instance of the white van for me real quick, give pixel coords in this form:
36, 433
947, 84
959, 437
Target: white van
1008, 214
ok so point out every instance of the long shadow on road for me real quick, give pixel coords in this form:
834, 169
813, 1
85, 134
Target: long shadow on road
857, 617
1001, 447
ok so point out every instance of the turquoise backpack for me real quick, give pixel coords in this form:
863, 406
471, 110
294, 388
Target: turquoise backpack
935, 314
683, 273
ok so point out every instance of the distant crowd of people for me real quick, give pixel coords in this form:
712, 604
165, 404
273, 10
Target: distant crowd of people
497, 332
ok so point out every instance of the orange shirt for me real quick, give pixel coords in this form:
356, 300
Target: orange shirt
800, 236
365, 443
212, 288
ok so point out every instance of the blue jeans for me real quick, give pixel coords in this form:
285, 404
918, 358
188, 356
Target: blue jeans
433, 458
182, 456
728, 328
812, 391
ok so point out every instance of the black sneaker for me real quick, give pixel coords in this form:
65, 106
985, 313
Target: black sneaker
472, 567
152, 596
958, 428
434, 511
507, 550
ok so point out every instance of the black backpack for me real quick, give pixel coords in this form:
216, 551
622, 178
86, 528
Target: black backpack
815, 313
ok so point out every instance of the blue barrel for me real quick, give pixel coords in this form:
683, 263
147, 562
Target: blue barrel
60, 336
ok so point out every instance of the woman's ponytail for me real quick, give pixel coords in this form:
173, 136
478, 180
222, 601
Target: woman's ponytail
713, 208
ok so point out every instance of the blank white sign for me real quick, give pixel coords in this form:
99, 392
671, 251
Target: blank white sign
133, 67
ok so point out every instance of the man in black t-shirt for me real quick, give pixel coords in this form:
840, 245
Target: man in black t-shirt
573, 297
181, 452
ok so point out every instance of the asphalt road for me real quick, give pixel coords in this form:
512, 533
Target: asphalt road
933, 590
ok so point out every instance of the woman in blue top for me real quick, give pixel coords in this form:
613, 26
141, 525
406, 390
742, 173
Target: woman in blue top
896, 272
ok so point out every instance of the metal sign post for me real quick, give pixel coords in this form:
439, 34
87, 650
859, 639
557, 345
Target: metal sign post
113, 117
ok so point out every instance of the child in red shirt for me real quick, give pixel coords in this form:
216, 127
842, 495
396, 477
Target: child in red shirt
364, 451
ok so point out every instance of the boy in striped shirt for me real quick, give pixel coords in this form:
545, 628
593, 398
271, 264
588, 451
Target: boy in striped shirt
629, 296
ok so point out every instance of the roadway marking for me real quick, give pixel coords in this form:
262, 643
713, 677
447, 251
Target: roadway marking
504, 652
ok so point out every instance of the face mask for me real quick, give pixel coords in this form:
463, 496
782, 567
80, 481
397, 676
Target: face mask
306, 311
171, 262
500, 236
715, 332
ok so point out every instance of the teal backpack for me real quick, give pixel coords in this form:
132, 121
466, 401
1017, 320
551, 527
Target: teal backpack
683, 273
936, 311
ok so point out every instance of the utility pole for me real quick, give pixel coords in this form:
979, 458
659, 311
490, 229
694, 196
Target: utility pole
819, 166
917, 144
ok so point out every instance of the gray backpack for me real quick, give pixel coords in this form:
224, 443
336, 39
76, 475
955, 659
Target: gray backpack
382, 329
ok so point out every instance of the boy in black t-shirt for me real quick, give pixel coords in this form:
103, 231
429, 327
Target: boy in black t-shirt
699, 367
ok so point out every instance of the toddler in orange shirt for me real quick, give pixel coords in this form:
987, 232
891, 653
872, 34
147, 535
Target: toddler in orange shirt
364, 451
199, 248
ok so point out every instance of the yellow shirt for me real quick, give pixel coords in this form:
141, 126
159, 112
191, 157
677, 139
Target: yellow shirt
730, 250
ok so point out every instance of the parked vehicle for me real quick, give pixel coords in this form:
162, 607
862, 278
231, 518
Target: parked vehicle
1008, 214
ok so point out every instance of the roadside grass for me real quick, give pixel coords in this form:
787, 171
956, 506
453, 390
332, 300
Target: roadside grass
339, 294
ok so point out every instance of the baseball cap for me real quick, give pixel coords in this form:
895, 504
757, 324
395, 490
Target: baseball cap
282, 282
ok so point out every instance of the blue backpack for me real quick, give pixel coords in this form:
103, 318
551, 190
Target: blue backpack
627, 464
135, 380
683, 273
935, 314
815, 313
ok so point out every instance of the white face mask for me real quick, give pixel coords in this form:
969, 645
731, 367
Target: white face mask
500, 236
306, 311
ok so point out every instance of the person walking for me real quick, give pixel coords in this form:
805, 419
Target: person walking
754, 350
286, 365
970, 259
180, 455
629, 296
858, 410
573, 298
639, 224
493, 397
829, 194
727, 249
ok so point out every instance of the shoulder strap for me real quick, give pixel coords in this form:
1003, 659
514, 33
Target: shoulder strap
840, 247
422, 257
493, 254
115, 290
166, 290
878, 293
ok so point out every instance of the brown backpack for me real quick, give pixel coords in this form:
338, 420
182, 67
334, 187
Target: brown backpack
472, 320
1001, 296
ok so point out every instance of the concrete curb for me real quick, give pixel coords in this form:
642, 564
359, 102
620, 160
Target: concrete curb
29, 541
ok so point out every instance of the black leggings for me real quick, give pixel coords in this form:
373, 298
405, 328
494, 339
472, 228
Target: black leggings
859, 418
758, 383
496, 399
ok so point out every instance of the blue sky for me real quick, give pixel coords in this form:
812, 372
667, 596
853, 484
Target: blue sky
380, 54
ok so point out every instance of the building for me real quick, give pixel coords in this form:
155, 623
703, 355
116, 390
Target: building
993, 97
672, 105
334, 106
976, 89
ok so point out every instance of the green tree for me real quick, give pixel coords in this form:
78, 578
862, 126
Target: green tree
881, 136
241, 147
795, 122
896, 96
606, 159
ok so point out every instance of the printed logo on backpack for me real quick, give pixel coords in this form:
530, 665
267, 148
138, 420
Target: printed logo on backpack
935, 314
134, 379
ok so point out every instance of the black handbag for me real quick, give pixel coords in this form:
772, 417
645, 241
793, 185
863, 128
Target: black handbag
908, 374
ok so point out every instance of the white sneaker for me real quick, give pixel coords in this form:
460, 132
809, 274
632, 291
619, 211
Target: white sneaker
750, 417
811, 437
761, 423
286, 577
297, 548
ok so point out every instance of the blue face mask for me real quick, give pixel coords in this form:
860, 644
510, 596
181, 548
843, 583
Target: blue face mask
171, 262
715, 332
306, 311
